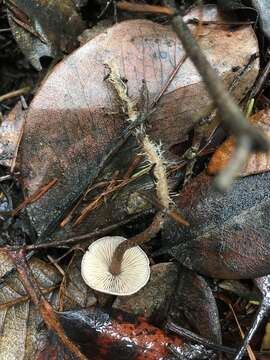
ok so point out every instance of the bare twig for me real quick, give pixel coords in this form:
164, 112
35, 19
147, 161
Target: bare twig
35, 196
86, 237
15, 93
153, 9
206, 342
169, 81
229, 111
249, 350
25, 298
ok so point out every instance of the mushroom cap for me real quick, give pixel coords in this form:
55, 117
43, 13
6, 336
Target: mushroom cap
135, 269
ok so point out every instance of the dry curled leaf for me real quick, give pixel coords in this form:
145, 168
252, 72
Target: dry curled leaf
76, 119
228, 237
44, 28
257, 163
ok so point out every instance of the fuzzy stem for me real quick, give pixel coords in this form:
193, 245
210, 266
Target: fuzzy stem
136, 240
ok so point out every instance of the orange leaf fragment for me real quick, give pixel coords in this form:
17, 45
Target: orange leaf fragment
257, 163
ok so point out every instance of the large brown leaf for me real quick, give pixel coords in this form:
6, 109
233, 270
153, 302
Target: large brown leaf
228, 235
76, 118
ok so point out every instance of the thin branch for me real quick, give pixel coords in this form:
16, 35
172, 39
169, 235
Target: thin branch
153, 9
229, 111
15, 93
25, 298
86, 237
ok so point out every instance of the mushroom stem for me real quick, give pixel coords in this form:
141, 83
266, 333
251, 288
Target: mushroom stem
143, 237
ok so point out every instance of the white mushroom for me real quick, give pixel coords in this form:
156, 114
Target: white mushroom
95, 269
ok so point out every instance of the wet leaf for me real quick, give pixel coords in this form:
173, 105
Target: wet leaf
153, 300
194, 301
76, 118
44, 28
108, 334
116, 334
74, 292
263, 8
11, 131
257, 163
20, 325
228, 237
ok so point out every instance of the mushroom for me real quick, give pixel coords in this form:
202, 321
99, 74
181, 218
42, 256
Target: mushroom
96, 271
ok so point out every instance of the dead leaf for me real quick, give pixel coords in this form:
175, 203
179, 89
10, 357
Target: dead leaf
228, 237
153, 300
263, 8
257, 163
75, 119
194, 301
21, 333
11, 131
116, 334
44, 28
74, 293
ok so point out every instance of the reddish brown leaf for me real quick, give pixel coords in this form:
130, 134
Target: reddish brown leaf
112, 334
257, 163
75, 119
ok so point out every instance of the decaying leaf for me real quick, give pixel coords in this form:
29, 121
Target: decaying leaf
228, 237
44, 28
194, 301
263, 8
20, 324
153, 300
11, 131
74, 293
116, 334
76, 119
257, 163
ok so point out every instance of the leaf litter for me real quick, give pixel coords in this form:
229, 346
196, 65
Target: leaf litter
76, 135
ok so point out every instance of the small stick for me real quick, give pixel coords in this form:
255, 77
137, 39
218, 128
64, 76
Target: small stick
15, 93
153, 9
207, 343
249, 350
25, 298
86, 237
230, 113
35, 196
170, 79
